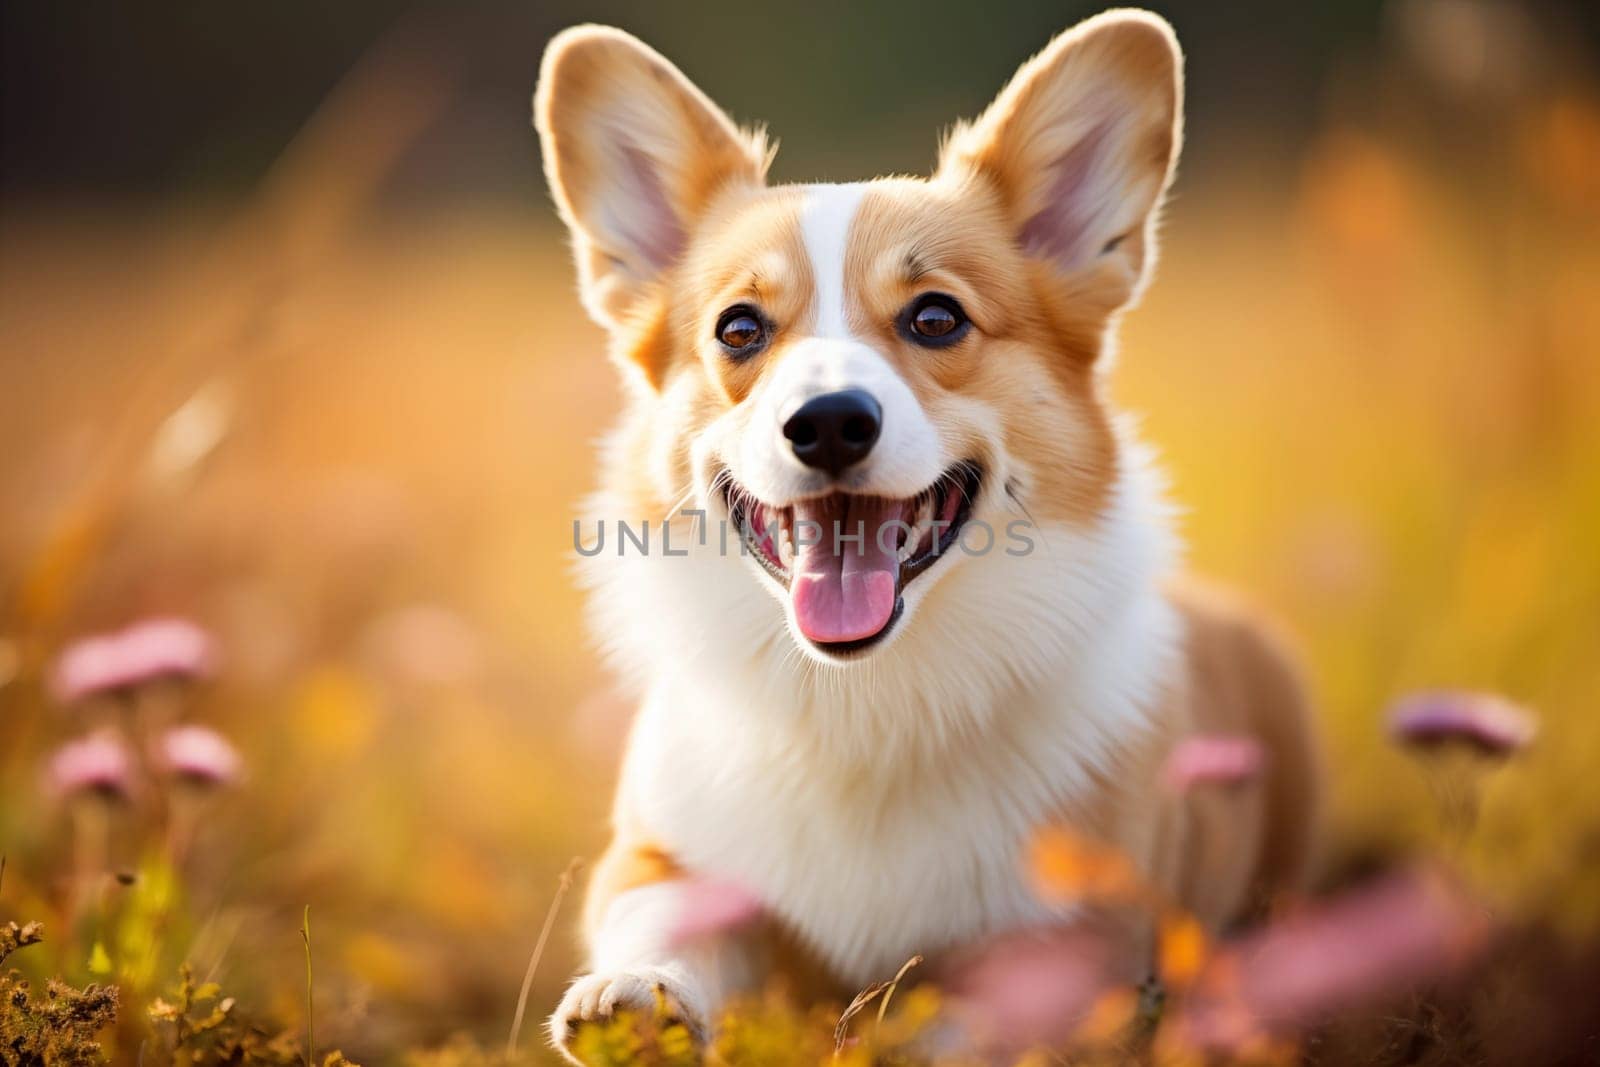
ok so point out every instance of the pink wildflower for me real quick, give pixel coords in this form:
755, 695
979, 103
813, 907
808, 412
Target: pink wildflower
709, 907
1033, 987
141, 653
200, 755
98, 763
1212, 759
1365, 945
1484, 722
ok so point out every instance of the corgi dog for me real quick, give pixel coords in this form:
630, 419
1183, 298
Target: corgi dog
918, 596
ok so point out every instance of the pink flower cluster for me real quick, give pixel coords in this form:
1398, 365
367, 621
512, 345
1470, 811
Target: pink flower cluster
142, 653
103, 763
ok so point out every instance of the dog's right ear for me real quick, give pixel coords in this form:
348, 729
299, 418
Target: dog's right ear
634, 154
1081, 146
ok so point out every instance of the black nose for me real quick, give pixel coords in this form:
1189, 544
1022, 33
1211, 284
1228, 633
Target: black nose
834, 430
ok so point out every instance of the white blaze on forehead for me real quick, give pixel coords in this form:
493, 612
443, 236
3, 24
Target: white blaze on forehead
825, 228
908, 456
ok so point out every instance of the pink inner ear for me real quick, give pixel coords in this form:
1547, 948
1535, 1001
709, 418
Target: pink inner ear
648, 226
1063, 229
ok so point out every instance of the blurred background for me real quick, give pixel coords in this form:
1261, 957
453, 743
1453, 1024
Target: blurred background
289, 347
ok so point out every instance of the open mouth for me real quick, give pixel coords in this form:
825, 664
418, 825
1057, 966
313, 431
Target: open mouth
845, 558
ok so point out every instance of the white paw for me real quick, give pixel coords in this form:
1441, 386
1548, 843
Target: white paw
598, 997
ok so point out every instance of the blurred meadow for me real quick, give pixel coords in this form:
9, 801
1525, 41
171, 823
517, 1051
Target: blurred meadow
289, 347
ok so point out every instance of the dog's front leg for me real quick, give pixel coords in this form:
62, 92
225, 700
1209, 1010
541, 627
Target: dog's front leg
639, 959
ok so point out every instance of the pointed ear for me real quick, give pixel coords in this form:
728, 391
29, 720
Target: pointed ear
1081, 145
634, 153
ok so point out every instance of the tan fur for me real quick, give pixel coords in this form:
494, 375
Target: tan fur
952, 236
1240, 847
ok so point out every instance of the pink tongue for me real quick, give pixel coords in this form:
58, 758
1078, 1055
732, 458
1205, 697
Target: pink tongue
844, 590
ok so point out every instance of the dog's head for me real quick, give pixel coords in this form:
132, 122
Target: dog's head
874, 384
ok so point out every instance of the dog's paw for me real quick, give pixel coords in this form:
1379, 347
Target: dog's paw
648, 991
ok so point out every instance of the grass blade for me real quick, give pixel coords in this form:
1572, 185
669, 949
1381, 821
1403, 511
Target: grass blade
562, 887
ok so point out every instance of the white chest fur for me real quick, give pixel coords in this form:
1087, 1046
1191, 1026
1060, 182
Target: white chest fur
867, 872
886, 811
873, 862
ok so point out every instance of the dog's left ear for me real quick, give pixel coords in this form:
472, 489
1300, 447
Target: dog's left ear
1080, 147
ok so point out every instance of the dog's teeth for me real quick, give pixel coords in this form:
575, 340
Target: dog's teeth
926, 513
912, 543
786, 540
917, 516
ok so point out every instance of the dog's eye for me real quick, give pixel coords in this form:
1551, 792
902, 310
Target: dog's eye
741, 330
936, 319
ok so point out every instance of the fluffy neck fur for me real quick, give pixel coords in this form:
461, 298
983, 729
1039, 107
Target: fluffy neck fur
1077, 633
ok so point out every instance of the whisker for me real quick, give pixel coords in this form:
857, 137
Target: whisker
677, 506
1010, 490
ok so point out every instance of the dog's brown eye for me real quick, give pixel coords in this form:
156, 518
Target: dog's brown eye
936, 319
740, 330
